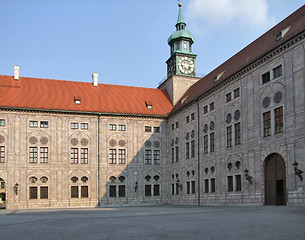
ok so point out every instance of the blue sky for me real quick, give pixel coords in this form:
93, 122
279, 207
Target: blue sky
126, 41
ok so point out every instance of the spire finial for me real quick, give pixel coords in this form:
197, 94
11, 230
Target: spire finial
180, 4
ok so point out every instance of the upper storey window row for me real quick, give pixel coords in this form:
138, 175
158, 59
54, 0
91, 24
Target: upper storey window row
190, 118
277, 72
205, 108
43, 124
84, 126
175, 125
150, 129
114, 127
236, 94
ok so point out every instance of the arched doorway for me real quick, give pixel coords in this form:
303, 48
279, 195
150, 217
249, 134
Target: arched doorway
2, 193
275, 180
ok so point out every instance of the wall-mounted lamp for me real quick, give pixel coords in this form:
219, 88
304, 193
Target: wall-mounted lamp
248, 177
136, 187
178, 184
16, 188
297, 171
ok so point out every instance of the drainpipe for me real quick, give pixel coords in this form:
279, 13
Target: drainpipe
98, 160
198, 150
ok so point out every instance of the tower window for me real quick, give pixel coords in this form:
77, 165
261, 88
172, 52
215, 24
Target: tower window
185, 46
177, 46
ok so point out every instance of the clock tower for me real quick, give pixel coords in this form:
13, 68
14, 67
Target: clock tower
182, 60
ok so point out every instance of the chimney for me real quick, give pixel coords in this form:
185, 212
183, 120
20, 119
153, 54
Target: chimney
95, 79
16, 73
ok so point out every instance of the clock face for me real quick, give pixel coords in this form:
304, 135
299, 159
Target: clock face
186, 65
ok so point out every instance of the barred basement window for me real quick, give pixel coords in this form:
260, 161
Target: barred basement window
267, 123
84, 192
2, 154
33, 124
206, 185
122, 156
147, 190
33, 193
112, 156
44, 193
33, 154
74, 191
156, 156
122, 191
278, 119
74, 155
147, 156
74, 125
44, 155
84, 155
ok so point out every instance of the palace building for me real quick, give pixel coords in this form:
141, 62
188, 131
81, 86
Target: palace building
234, 137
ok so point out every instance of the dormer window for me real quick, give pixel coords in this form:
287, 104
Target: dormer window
148, 105
77, 100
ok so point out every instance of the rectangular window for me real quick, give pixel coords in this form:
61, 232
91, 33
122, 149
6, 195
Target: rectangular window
112, 127
188, 187
122, 156
177, 124
122, 127
177, 153
33, 124
193, 187
212, 185
212, 142
112, 191
236, 93
173, 188
177, 188
229, 136
2, 184
206, 186
33, 154
84, 155
237, 133
147, 128
156, 129
74, 155
266, 77
205, 144
205, 109
122, 191
2, 122
147, 156
74, 125
277, 72
278, 119
192, 148
187, 150
173, 155
156, 156
112, 156
230, 183
84, 126
212, 107
2, 154
156, 190
192, 116
267, 123
237, 182
147, 190
44, 154
173, 127
44, 124
187, 119
33, 193
84, 192
44, 193
228, 97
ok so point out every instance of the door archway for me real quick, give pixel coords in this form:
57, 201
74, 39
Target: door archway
275, 180
2, 193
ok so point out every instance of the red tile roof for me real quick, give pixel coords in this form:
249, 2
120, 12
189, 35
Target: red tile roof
260, 47
46, 94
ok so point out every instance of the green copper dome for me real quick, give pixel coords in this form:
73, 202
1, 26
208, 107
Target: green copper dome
180, 34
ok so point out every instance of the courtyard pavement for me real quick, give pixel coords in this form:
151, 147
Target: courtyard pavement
155, 222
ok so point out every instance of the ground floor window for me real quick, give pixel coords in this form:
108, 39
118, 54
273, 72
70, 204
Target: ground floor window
33, 193
84, 192
112, 191
44, 193
74, 191
122, 190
